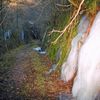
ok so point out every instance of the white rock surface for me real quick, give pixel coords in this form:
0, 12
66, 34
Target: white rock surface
87, 83
70, 65
37, 49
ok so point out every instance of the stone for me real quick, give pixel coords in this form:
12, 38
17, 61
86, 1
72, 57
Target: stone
87, 83
69, 67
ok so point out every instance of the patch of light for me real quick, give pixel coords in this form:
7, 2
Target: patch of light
13, 3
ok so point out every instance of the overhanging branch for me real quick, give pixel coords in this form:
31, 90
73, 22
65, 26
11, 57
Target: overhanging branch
71, 22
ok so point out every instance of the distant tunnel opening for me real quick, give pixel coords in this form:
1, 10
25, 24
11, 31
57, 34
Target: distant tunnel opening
32, 32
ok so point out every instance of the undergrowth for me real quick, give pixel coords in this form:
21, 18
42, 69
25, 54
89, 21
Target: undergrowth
63, 18
7, 59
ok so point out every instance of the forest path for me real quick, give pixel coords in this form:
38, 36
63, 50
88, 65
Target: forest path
28, 78
27, 74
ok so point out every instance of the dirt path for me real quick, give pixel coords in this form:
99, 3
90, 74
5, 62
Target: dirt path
23, 62
28, 75
27, 79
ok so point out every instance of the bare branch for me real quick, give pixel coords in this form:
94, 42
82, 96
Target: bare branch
73, 3
56, 31
64, 30
4, 18
63, 6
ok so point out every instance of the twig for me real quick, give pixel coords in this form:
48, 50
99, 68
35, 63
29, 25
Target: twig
41, 12
64, 6
3, 9
64, 30
74, 4
4, 18
56, 31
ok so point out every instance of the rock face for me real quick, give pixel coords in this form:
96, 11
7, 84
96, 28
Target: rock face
70, 65
87, 83
86, 60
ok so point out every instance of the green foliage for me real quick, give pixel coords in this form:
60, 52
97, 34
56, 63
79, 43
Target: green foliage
66, 43
61, 21
91, 6
2, 46
52, 51
7, 60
